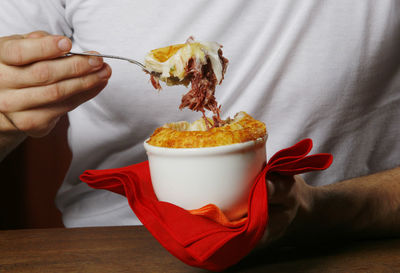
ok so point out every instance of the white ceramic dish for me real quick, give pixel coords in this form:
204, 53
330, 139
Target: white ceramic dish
194, 177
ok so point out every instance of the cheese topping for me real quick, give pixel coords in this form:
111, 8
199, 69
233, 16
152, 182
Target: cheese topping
183, 134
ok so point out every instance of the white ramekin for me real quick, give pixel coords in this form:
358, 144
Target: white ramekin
194, 177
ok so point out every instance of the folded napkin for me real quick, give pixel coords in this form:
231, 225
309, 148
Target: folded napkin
204, 237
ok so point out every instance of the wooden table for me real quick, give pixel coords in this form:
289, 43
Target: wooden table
133, 249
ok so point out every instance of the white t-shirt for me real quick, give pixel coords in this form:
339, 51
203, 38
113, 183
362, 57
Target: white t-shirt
327, 70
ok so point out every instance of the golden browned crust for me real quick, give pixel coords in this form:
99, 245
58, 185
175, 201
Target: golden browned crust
241, 129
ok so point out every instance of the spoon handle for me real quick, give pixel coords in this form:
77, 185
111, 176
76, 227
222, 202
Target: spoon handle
108, 56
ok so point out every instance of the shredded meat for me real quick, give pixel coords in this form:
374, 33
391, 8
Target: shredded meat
155, 82
201, 96
224, 62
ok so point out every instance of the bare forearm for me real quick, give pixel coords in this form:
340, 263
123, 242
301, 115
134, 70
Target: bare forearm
362, 207
366, 205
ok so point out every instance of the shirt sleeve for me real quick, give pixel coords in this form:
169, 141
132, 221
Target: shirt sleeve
24, 16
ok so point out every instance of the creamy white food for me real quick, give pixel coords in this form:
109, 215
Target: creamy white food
172, 61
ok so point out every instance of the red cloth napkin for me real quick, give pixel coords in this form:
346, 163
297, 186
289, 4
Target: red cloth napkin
205, 237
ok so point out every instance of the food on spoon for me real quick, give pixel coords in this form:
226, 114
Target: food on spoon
200, 64
241, 128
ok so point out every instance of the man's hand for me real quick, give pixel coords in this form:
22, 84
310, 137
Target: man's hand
38, 85
358, 208
288, 196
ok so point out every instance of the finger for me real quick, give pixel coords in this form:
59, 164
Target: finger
281, 185
38, 122
282, 195
276, 201
51, 71
28, 98
21, 51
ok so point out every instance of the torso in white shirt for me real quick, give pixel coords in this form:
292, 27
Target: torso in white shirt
328, 70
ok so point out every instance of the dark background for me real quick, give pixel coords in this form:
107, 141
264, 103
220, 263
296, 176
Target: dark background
29, 179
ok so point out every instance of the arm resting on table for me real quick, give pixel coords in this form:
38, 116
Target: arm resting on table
362, 207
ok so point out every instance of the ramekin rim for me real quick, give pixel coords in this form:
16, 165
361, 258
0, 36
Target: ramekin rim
204, 150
